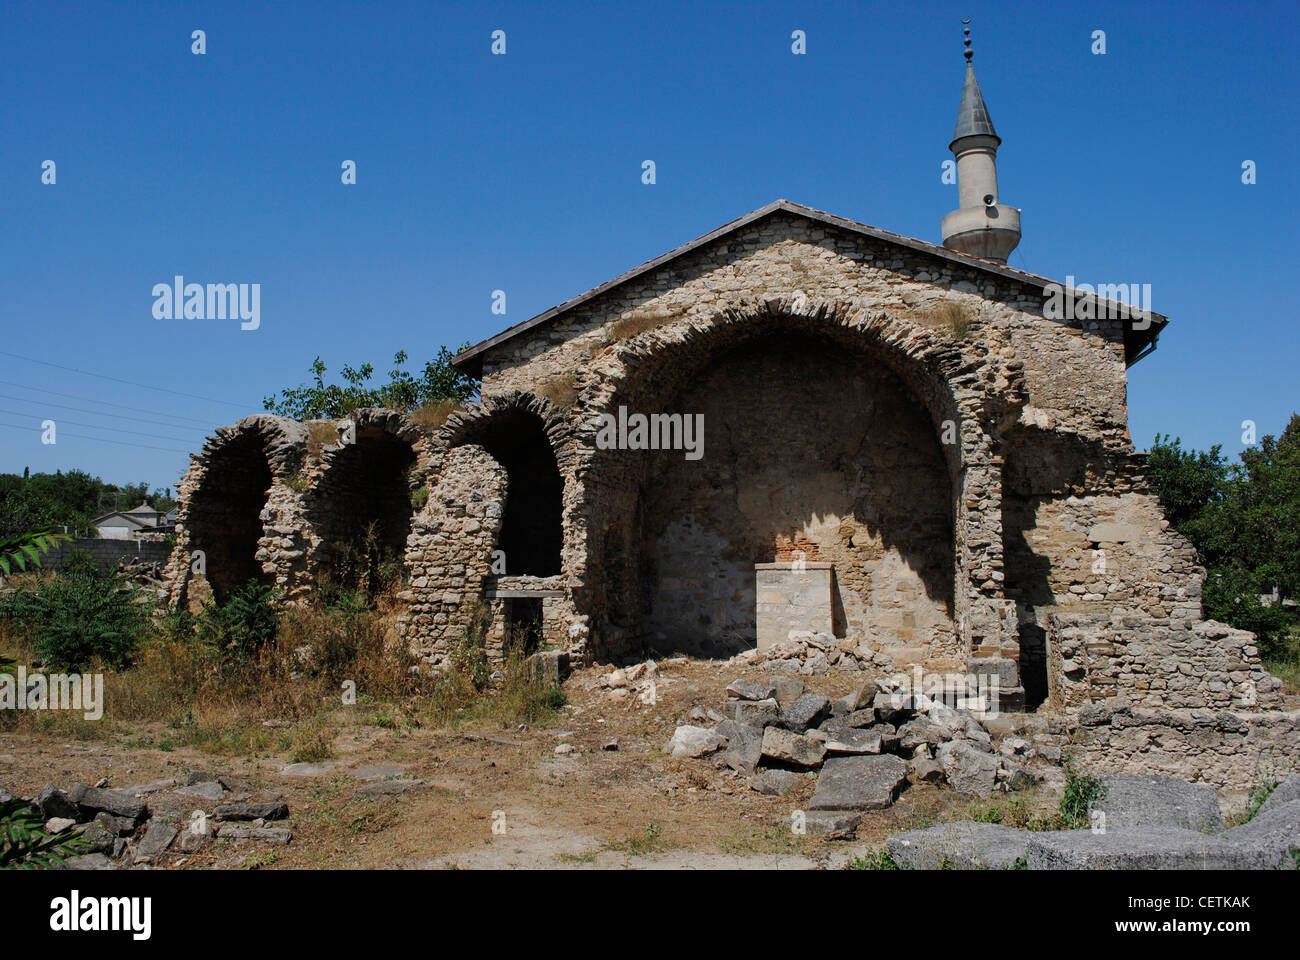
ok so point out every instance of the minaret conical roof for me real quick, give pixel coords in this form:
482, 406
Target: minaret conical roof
972, 116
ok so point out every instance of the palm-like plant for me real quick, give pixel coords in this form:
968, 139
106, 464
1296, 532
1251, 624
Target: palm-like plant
16, 551
24, 844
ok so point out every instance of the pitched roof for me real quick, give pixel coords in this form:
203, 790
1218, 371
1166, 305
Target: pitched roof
1137, 343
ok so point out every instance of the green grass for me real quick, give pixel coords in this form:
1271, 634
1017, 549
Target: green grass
880, 859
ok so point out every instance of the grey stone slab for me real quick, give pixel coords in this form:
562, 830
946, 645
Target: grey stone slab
1267, 841
831, 824
744, 745
788, 689
690, 741
229, 831
777, 783
1148, 848
967, 768
959, 846
852, 740
1141, 800
155, 841
53, 802
859, 783
764, 712
808, 711
92, 800
90, 861
1285, 792
379, 771
269, 810
786, 746
751, 690
208, 791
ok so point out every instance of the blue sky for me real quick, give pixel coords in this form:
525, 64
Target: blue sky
523, 173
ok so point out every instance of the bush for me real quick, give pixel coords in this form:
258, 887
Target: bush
1081, 792
74, 619
244, 624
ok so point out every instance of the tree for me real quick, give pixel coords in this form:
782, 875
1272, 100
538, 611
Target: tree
1244, 520
439, 381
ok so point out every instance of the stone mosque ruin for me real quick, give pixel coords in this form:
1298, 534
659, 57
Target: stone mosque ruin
906, 457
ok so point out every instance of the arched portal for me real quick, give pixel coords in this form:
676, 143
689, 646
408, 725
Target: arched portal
361, 507
532, 532
811, 454
223, 516
866, 439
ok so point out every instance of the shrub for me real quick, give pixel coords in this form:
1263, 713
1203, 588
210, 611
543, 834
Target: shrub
242, 625
75, 618
1081, 792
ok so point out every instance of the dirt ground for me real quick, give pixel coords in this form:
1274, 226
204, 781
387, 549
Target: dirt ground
494, 797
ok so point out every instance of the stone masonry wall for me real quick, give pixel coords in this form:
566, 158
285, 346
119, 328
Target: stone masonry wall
1232, 750
449, 553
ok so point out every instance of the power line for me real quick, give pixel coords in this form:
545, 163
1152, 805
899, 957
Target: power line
132, 383
100, 426
96, 413
106, 403
120, 443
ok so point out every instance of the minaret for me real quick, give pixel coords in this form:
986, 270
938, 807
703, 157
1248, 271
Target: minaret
981, 226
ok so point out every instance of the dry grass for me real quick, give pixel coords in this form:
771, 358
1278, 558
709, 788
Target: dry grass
562, 391
952, 316
320, 433
431, 416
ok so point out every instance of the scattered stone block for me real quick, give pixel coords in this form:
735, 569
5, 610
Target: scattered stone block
155, 841
92, 800
788, 689
53, 802
859, 783
762, 712
751, 690
808, 711
229, 831
968, 769
959, 846
208, 791
270, 810
786, 746
693, 742
744, 745
831, 824
852, 740
777, 783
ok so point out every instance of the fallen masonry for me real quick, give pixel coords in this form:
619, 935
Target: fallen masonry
121, 830
864, 748
1150, 823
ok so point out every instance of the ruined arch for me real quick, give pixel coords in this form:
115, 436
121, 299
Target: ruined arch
222, 502
528, 438
360, 506
946, 380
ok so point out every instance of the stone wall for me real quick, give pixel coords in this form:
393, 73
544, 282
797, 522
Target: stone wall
1231, 750
106, 553
1171, 662
449, 554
